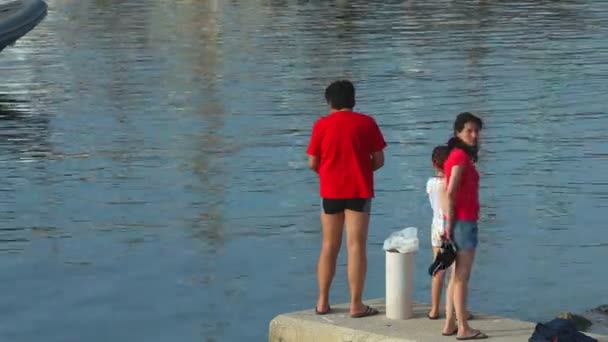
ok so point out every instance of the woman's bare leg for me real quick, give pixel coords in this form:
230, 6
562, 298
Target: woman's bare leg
462, 273
450, 317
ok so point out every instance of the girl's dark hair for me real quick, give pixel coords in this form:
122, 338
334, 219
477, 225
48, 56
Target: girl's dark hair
439, 156
461, 120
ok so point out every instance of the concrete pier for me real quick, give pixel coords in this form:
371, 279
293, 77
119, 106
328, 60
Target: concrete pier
339, 327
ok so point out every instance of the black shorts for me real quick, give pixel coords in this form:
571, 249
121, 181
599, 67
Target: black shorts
336, 206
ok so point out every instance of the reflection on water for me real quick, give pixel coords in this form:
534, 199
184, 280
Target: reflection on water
23, 140
155, 182
23, 135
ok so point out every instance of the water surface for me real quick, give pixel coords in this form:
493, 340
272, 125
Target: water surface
154, 184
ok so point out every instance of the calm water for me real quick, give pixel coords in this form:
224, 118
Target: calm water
154, 184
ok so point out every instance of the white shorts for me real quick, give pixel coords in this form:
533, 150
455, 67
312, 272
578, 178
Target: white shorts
436, 232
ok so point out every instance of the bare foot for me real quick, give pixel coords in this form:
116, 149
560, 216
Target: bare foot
433, 314
322, 306
356, 309
449, 329
369, 311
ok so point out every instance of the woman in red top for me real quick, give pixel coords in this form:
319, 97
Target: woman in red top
462, 213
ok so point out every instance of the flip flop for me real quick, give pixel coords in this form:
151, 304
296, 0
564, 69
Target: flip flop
432, 317
450, 334
369, 311
444, 258
317, 312
478, 336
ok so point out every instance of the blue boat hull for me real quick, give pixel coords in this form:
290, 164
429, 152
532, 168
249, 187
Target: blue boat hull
19, 17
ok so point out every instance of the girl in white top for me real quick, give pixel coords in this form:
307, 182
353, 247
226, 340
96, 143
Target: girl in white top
435, 188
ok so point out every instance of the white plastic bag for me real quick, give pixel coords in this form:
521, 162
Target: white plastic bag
403, 241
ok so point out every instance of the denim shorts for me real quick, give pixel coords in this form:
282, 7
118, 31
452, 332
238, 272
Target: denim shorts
464, 235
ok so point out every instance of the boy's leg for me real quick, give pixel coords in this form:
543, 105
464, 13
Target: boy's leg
436, 289
357, 217
333, 226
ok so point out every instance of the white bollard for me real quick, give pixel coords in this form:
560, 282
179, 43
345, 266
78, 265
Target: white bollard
399, 285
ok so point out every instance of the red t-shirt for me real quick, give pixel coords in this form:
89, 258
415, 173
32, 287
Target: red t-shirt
344, 142
466, 205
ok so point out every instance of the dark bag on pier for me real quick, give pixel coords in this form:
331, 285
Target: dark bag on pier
558, 330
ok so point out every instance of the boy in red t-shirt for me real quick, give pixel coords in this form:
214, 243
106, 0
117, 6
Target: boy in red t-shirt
345, 149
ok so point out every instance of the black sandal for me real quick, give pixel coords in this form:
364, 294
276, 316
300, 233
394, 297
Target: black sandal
433, 318
478, 336
369, 311
317, 312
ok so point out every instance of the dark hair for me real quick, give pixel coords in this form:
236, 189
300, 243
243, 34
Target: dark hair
440, 154
464, 118
340, 94
461, 120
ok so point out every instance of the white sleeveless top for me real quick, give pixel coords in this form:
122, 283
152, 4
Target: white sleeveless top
434, 187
